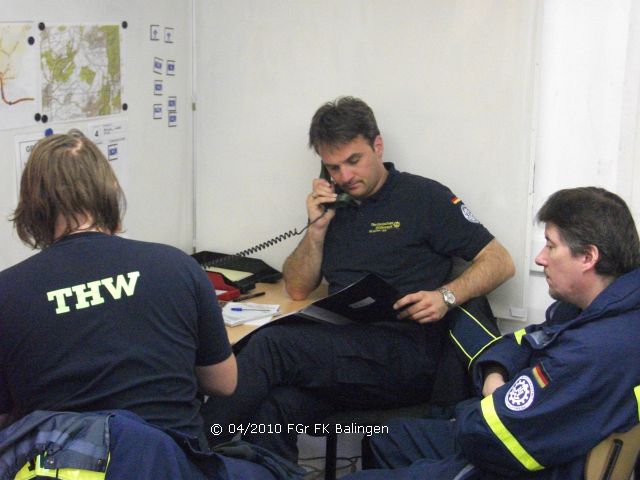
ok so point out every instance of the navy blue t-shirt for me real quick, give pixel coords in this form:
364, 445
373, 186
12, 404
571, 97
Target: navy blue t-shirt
407, 233
99, 322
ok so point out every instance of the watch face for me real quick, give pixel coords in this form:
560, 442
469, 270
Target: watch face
448, 297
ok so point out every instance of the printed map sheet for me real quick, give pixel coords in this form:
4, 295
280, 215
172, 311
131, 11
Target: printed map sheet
81, 71
19, 73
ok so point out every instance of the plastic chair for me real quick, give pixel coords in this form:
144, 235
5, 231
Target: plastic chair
615, 458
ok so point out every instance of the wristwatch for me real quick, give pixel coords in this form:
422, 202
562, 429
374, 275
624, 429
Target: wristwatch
448, 297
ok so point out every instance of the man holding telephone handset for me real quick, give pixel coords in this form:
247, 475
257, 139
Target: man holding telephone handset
402, 227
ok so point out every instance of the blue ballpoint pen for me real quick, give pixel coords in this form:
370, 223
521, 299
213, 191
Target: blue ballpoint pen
245, 309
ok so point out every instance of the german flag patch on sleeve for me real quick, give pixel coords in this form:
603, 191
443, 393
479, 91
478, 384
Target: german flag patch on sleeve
541, 376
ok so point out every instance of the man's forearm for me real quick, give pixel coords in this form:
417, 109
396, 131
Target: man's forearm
301, 270
489, 269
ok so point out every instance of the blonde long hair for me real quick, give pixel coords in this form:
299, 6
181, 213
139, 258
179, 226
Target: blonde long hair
66, 177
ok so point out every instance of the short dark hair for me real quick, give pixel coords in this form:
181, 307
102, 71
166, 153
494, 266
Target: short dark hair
341, 121
66, 176
594, 216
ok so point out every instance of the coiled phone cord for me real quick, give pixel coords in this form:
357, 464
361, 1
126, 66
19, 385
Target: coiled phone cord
261, 246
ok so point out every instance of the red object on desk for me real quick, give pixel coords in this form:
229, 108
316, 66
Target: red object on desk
218, 281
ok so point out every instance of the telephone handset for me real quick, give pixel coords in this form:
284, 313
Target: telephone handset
343, 199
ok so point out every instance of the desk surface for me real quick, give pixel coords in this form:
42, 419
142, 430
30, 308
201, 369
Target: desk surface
275, 293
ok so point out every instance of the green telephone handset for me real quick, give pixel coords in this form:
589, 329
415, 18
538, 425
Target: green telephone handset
344, 199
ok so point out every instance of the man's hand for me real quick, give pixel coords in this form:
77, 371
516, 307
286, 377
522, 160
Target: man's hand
301, 270
317, 212
421, 307
495, 376
492, 383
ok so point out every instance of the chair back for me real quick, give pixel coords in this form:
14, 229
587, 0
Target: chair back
615, 457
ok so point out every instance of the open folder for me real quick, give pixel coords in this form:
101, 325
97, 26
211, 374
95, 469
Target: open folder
366, 301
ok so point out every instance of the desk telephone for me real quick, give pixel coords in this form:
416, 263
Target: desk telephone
237, 261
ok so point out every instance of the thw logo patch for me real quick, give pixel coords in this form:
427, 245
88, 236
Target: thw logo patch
90, 294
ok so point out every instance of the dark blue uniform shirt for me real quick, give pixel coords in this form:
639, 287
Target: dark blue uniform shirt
100, 322
407, 233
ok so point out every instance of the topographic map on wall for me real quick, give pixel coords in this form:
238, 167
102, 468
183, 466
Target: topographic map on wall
18, 75
81, 71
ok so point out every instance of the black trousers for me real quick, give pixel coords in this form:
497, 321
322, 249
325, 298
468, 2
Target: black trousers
292, 376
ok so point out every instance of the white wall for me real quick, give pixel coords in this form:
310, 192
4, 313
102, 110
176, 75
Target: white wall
587, 108
451, 84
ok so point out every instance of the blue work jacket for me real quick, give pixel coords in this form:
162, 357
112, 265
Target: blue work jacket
573, 381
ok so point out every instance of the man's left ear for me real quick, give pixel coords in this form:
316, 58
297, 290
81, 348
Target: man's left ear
591, 257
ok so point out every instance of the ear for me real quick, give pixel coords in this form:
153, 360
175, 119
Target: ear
378, 145
590, 257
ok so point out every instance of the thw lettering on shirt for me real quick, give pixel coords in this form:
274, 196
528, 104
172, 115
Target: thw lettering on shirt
89, 294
